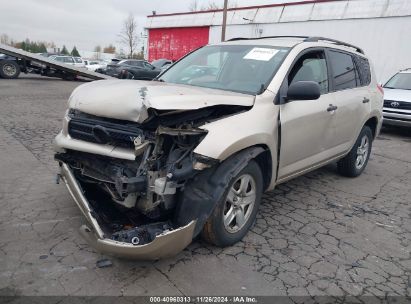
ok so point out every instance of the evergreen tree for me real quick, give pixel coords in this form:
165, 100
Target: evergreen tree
74, 52
42, 48
27, 45
33, 47
24, 46
64, 51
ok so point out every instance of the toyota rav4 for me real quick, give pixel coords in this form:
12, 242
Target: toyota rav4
154, 164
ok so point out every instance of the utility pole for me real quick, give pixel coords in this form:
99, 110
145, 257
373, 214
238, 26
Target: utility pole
223, 28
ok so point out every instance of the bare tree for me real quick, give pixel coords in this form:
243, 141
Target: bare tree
128, 35
97, 51
111, 49
193, 7
4, 38
210, 6
233, 4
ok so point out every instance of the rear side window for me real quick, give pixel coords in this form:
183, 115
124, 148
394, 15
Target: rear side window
363, 69
344, 72
68, 59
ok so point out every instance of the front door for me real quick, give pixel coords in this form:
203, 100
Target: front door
308, 127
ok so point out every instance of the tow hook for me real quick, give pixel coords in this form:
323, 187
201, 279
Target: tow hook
135, 240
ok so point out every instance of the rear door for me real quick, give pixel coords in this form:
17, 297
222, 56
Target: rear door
307, 126
351, 95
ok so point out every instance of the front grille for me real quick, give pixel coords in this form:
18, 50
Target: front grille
400, 105
101, 131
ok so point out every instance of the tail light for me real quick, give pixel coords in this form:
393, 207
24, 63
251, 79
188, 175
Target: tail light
380, 88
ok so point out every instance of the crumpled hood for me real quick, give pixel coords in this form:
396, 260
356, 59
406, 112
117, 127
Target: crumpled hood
397, 95
130, 99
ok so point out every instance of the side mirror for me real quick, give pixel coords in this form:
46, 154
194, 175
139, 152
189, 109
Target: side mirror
303, 90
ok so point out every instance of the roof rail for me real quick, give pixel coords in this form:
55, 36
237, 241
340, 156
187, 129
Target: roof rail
338, 42
305, 39
265, 37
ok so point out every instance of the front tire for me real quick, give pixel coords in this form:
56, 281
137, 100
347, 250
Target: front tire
9, 69
354, 163
235, 213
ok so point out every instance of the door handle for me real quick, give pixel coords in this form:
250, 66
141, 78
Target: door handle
365, 100
332, 108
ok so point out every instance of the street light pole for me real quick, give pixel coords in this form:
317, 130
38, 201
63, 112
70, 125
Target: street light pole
224, 20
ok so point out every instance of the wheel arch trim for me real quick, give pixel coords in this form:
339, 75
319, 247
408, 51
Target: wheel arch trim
205, 190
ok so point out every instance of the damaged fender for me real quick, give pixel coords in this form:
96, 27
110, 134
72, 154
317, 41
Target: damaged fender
196, 203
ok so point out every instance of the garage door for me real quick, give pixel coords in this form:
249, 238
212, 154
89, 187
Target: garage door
173, 43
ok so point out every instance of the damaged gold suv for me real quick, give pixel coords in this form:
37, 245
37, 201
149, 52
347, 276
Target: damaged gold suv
153, 164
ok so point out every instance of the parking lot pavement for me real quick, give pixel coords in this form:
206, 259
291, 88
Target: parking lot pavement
320, 234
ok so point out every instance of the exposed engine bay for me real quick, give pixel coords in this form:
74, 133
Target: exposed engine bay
136, 200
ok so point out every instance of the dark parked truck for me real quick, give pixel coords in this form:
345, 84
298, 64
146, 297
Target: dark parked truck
154, 164
10, 67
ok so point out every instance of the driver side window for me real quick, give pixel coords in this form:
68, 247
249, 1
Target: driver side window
311, 67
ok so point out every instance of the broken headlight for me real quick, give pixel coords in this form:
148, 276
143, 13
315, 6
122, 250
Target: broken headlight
202, 162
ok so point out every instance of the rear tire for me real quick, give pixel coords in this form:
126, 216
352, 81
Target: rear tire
235, 213
9, 69
354, 163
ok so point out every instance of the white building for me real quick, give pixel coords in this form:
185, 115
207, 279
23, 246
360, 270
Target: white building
381, 27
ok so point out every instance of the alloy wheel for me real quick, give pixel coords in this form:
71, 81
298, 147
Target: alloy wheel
362, 152
9, 70
239, 203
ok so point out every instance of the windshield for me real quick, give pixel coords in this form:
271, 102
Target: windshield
239, 68
400, 81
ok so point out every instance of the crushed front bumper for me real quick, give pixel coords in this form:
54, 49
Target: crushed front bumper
164, 245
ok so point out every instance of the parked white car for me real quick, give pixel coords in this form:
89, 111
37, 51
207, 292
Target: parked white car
397, 100
93, 65
76, 61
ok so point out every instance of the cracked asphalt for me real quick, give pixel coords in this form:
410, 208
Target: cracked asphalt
320, 234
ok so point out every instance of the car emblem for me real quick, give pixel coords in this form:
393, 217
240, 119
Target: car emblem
395, 104
100, 134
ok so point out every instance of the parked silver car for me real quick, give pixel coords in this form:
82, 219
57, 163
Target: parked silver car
397, 100
153, 164
71, 60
